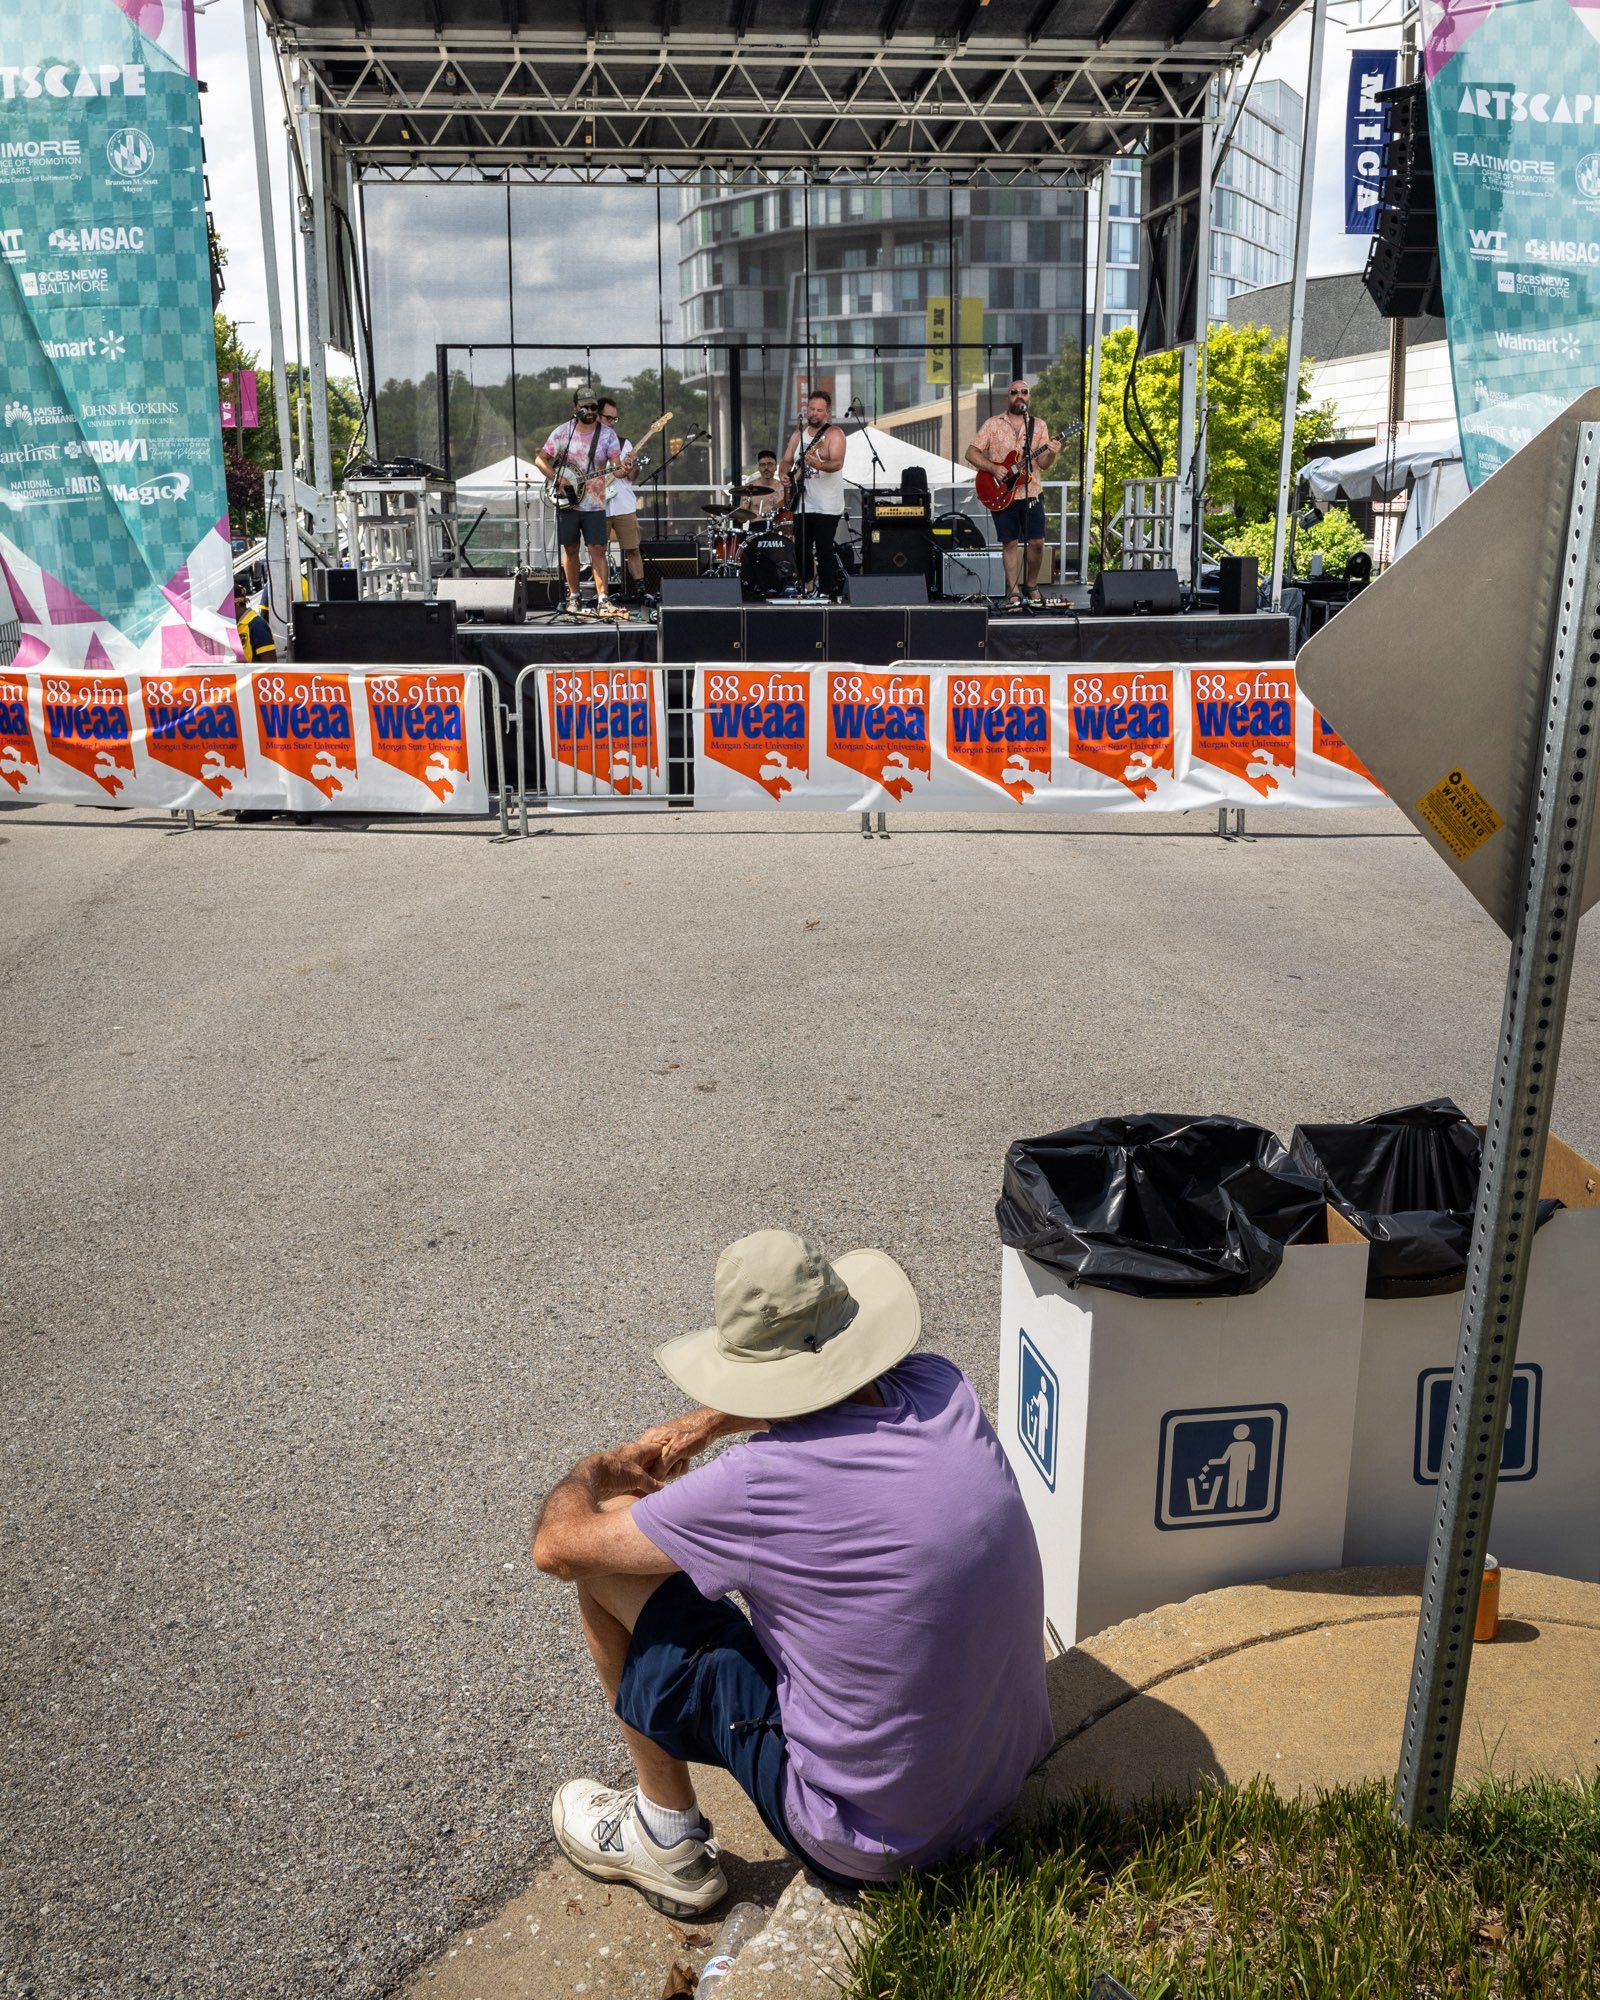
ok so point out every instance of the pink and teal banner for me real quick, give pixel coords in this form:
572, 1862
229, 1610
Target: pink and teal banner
113, 508
1514, 116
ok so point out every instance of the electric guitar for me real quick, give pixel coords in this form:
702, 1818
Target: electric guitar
997, 494
569, 486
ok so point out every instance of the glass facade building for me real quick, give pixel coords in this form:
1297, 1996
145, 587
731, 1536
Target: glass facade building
1252, 208
830, 286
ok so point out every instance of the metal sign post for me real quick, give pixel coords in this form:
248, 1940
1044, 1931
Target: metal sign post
1557, 848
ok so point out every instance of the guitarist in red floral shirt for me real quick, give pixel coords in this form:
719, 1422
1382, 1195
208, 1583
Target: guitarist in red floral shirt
1016, 435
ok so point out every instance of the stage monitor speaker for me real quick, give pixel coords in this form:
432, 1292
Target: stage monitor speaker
1238, 584
867, 635
668, 556
947, 632
336, 586
1126, 593
375, 633
908, 589
796, 632
498, 598
682, 593
691, 633
1402, 274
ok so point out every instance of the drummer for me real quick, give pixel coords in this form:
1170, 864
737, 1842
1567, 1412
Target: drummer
764, 489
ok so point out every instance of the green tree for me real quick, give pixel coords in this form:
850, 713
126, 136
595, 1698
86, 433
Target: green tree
260, 447
1335, 538
1244, 426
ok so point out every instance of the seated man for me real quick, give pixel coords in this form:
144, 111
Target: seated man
886, 1698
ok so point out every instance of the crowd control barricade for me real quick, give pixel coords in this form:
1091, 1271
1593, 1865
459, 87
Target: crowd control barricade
1547, 1500
1175, 1443
268, 737
923, 735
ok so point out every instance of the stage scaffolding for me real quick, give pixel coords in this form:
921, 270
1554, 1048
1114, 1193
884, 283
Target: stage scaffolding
958, 93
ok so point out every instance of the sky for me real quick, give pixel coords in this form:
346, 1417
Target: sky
617, 290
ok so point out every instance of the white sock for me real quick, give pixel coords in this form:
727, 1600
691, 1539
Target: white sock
666, 1827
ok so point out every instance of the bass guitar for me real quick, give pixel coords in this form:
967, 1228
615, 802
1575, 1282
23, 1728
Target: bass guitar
569, 486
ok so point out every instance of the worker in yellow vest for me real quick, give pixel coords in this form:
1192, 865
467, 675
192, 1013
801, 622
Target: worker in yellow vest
255, 634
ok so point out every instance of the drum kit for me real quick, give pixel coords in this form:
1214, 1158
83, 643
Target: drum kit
750, 535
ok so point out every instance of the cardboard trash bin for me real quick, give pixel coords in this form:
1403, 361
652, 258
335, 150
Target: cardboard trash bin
1547, 1500
1175, 1443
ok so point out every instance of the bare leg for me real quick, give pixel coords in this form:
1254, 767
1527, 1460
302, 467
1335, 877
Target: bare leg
602, 580
569, 567
634, 558
1035, 564
609, 1607
1011, 556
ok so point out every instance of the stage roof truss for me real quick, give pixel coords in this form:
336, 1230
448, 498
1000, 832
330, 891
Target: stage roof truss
453, 102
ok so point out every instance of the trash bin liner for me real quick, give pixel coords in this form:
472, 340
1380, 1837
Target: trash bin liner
1159, 1206
1408, 1180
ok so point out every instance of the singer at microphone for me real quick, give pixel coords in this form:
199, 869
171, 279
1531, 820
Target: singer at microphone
813, 460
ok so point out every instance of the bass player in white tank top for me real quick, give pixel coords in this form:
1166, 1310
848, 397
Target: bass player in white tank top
813, 463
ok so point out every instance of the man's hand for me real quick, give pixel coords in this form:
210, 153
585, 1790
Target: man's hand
681, 1439
631, 1468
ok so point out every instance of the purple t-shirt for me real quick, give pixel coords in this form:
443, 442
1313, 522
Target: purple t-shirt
892, 1576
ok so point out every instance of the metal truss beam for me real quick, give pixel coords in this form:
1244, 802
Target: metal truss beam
408, 101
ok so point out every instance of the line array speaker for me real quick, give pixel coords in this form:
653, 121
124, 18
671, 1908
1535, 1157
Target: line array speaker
1402, 274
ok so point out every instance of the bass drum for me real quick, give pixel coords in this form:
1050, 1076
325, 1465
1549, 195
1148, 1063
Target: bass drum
766, 568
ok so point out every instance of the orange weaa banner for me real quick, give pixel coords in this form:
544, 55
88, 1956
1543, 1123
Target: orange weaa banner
300, 739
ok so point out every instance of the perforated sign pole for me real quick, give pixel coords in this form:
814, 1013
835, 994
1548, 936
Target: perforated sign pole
1561, 808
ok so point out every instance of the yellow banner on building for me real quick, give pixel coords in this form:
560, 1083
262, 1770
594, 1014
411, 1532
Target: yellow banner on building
970, 354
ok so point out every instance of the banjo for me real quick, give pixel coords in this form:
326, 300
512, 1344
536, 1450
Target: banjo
568, 486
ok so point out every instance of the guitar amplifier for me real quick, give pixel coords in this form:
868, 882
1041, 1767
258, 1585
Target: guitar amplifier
896, 537
972, 573
668, 556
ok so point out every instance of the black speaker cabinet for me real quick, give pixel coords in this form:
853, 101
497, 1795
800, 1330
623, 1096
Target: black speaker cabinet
947, 632
897, 548
336, 586
1124, 593
866, 635
911, 588
374, 634
683, 592
1238, 584
668, 556
711, 632
797, 632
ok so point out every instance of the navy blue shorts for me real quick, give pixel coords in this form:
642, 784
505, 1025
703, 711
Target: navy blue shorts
586, 524
697, 1683
1022, 521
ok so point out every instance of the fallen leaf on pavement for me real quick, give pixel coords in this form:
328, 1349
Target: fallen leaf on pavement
681, 1980
471, 1837
574, 1906
812, 924
691, 1940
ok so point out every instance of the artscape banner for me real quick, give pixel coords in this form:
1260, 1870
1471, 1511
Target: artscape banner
1372, 71
1514, 116
935, 737
113, 508
285, 738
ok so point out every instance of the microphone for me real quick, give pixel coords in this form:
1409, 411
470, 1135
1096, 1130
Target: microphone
857, 408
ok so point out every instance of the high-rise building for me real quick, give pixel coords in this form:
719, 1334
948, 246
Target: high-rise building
845, 274
1252, 209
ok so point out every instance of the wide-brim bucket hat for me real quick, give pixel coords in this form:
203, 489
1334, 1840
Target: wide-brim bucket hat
795, 1329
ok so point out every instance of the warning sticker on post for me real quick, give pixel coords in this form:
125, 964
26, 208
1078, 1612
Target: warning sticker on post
1459, 813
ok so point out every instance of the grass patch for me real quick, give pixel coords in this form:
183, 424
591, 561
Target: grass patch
1243, 1895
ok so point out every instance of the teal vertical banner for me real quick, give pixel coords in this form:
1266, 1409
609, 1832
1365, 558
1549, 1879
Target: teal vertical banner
113, 505
1514, 117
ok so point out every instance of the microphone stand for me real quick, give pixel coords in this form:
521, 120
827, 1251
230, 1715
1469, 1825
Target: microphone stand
855, 410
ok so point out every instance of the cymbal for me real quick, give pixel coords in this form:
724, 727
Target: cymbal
760, 492
716, 507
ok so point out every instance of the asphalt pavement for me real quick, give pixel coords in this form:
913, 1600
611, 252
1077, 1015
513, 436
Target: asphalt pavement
352, 1174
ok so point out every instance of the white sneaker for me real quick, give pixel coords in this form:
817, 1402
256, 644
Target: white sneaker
600, 1831
574, 604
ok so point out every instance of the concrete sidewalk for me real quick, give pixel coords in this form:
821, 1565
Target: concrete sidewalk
1302, 1680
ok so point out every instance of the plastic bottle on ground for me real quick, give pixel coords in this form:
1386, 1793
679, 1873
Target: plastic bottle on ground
741, 1924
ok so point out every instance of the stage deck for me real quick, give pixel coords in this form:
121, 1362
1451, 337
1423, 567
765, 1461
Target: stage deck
1051, 638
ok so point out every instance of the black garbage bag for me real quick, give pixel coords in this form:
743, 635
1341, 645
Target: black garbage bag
1408, 1180
1159, 1206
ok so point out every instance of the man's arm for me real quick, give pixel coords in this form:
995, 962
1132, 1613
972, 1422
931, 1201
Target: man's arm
828, 452
786, 463
977, 457
680, 1439
579, 1534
